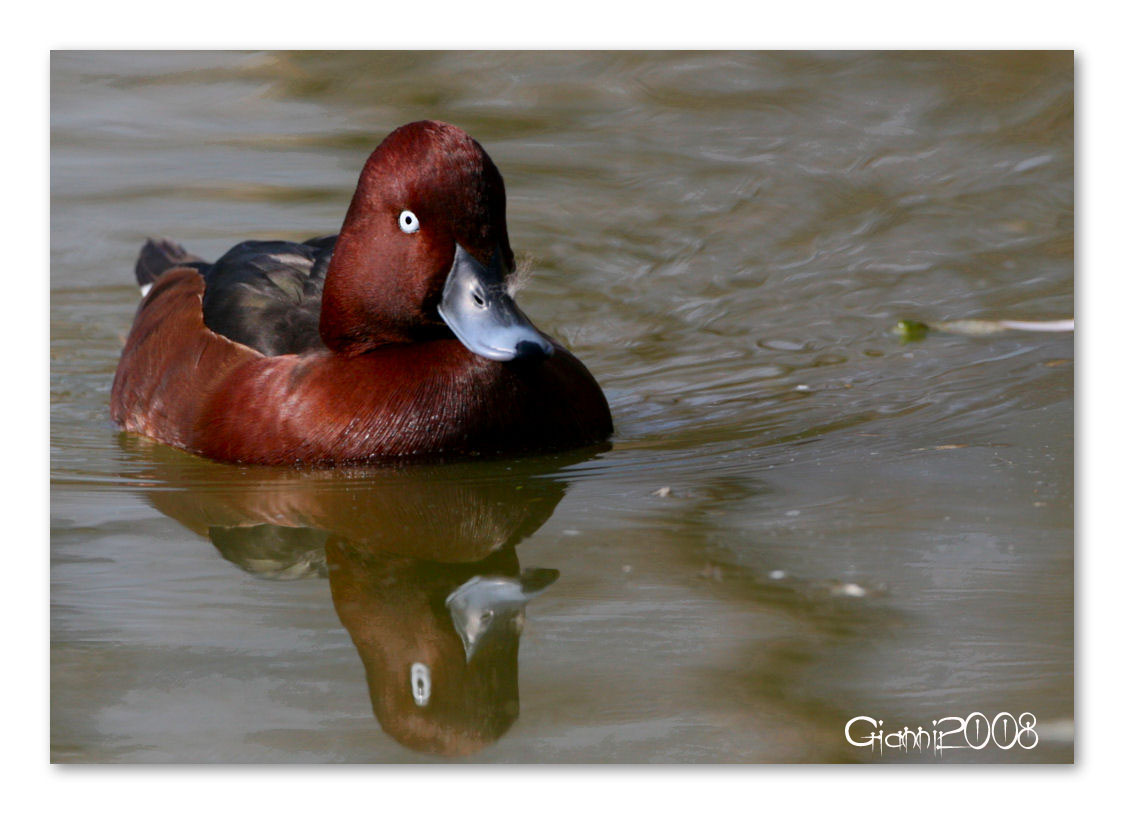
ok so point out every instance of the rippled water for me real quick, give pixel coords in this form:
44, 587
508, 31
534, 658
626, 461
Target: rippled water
801, 519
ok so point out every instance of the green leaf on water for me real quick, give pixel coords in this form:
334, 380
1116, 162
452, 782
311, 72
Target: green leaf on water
910, 330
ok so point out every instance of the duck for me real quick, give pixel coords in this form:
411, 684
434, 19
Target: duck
397, 338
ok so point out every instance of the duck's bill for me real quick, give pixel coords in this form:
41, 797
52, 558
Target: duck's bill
483, 316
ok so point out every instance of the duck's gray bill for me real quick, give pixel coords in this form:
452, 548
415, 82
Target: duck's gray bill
483, 316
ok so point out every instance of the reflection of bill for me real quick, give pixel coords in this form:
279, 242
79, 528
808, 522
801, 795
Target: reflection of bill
489, 606
421, 563
976, 731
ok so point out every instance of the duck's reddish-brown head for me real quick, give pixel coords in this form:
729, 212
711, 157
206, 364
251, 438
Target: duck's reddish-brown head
424, 250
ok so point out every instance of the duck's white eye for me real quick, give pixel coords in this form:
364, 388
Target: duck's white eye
408, 221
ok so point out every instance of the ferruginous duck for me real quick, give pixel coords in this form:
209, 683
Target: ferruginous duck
398, 337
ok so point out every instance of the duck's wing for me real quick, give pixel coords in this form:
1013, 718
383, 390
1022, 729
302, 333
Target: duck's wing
266, 294
262, 293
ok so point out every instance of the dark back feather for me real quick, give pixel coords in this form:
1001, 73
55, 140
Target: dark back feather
266, 294
157, 256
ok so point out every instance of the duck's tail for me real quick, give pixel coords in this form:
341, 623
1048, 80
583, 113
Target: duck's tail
157, 256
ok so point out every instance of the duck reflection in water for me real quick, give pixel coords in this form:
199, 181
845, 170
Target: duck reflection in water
439, 641
421, 563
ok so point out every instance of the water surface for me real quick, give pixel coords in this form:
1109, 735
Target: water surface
800, 519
